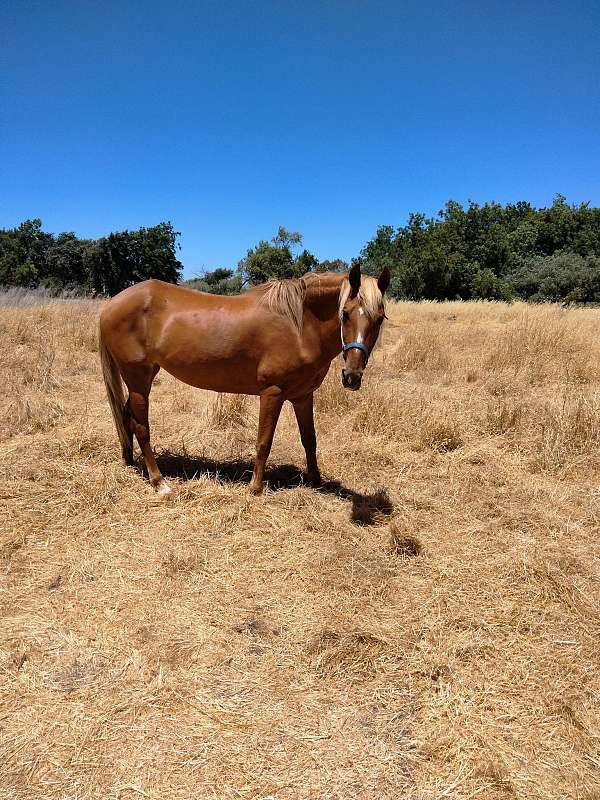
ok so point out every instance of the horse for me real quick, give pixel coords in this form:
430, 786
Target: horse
276, 341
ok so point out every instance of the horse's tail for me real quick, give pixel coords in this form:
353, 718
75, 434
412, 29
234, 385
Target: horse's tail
114, 391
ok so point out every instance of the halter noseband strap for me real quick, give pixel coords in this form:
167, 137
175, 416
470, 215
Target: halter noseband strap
358, 346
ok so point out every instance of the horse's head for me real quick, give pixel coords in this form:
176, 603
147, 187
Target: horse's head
361, 313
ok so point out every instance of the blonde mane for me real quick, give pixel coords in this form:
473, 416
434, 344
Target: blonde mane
369, 296
287, 296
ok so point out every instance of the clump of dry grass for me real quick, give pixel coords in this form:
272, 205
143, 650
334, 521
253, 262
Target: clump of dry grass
372, 508
544, 342
181, 561
228, 410
305, 643
504, 414
353, 654
331, 397
184, 398
440, 431
402, 543
567, 432
422, 348
32, 413
381, 411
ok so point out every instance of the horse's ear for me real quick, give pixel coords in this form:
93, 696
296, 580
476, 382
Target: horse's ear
354, 280
383, 281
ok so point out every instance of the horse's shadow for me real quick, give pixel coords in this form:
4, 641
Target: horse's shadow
367, 509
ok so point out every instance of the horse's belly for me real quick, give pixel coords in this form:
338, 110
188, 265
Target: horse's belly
217, 377
225, 358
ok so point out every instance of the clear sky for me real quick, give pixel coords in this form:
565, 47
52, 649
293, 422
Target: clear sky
231, 118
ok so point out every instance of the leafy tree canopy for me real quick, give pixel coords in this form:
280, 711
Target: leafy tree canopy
276, 259
31, 257
486, 251
333, 265
219, 281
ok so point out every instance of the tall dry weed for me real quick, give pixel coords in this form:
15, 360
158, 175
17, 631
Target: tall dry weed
504, 414
228, 410
566, 433
423, 349
37, 371
32, 413
79, 329
331, 397
542, 343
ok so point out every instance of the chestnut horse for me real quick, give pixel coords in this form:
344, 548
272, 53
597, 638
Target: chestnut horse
276, 341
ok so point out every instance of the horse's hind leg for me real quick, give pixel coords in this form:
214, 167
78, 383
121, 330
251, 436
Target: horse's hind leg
139, 384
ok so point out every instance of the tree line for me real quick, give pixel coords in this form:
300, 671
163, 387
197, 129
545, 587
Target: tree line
31, 257
494, 252
489, 251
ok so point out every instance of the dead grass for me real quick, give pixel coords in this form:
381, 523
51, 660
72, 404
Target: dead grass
566, 432
228, 410
424, 626
423, 350
402, 543
31, 413
546, 342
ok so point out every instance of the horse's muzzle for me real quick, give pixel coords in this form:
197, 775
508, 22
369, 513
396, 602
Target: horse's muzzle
351, 379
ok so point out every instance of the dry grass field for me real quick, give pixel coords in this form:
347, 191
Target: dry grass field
424, 626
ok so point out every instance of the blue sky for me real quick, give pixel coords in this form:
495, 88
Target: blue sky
231, 118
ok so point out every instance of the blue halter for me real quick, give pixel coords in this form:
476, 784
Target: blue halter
358, 346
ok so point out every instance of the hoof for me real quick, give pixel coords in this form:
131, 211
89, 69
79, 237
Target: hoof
163, 488
315, 481
256, 488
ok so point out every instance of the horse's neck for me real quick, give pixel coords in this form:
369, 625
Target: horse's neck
322, 302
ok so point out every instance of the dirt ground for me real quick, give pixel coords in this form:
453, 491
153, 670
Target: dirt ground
424, 626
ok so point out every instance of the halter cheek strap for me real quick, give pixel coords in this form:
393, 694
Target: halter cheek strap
358, 346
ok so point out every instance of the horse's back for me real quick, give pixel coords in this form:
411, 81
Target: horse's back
210, 341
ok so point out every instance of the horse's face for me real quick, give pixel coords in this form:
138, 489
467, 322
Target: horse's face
361, 317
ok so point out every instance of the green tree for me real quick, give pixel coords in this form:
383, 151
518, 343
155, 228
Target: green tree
23, 254
560, 277
333, 265
219, 281
485, 285
122, 259
66, 263
30, 257
276, 259
285, 238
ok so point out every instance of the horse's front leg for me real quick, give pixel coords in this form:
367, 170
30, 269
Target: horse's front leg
271, 401
306, 423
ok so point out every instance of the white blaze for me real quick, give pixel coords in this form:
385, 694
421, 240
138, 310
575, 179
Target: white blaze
359, 334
